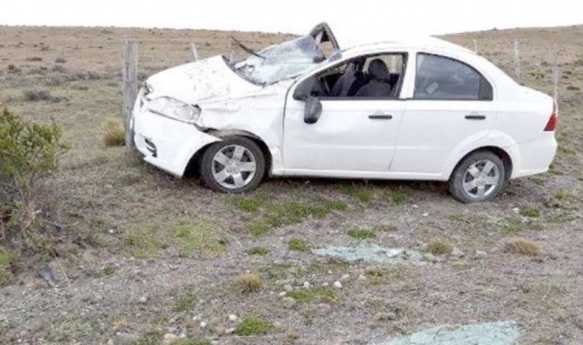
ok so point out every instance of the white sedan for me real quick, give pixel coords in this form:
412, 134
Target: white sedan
421, 109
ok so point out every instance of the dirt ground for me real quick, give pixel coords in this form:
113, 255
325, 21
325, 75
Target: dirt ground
145, 256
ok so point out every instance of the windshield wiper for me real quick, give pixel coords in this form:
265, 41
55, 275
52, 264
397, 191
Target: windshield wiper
248, 50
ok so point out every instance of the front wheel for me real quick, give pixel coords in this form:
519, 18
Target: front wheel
481, 176
233, 165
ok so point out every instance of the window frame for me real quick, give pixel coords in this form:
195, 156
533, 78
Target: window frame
480, 74
405, 63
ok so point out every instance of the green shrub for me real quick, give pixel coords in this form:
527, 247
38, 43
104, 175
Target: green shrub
29, 154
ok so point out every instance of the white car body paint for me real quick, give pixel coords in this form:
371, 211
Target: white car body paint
424, 140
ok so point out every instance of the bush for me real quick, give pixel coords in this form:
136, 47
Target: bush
29, 154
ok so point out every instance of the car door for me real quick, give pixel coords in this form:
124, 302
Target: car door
353, 136
451, 106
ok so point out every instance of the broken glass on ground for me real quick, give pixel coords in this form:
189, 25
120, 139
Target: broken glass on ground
374, 253
493, 333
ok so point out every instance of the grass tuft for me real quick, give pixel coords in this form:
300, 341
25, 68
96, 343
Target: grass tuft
202, 237
360, 192
398, 196
37, 95
192, 341
185, 300
298, 245
361, 234
6, 262
254, 326
261, 251
248, 283
292, 213
523, 247
115, 133
530, 212
317, 295
145, 240
439, 247
251, 204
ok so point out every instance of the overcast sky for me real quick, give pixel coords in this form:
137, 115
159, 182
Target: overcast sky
296, 16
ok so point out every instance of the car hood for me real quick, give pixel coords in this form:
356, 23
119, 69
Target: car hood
205, 80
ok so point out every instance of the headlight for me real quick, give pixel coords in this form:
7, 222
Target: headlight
174, 108
148, 89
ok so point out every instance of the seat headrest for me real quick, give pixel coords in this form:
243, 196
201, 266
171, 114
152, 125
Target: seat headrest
378, 70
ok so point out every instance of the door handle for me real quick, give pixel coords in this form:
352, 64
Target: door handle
380, 117
475, 117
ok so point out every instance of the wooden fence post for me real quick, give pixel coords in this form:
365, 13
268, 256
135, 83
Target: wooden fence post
476, 46
130, 88
556, 75
194, 51
517, 60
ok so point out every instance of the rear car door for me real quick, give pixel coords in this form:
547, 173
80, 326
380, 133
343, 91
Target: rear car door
452, 105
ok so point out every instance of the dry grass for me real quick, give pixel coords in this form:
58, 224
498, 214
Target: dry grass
248, 283
115, 133
439, 247
523, 247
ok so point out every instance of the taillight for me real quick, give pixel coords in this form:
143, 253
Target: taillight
553, 120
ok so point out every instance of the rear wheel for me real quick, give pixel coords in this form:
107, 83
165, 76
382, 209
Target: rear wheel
481, 176
233, 165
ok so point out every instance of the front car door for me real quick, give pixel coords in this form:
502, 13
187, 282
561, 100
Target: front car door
355, 135
450, 107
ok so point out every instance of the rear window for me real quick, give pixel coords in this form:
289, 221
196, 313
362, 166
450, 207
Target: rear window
441, 78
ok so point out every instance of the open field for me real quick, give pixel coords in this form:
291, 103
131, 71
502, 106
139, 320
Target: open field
142, 254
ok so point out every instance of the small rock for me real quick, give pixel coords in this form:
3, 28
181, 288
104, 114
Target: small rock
288, 288
307, 285
233, 317
277, 324
429, 257
47, 273
480, 255
516, 210
110, 342
282, 294
111, 231
143, 299
392, 253
109, 186
386, 317
203, 324
457, 253
361, 277
230, 331
338, 285
345, 277
325, 284
220, 330
415, 206
425, 214
169, 338
289, 302
59, 227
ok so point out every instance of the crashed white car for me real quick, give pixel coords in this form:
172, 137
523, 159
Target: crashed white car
421, 109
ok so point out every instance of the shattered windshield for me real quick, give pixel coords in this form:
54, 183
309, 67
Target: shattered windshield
282, 61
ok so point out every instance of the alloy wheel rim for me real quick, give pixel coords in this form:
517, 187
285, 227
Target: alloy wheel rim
481, 179
234, 166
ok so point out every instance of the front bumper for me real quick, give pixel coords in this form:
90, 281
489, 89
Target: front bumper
166, 143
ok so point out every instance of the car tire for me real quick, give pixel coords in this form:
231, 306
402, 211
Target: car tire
479, 177
233, 165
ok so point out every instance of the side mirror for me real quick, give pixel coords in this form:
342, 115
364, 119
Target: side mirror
313, 110
304, 90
